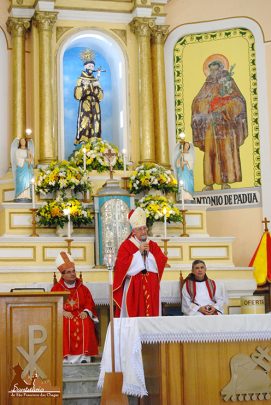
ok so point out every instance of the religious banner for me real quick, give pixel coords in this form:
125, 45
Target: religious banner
217, 110
247, 197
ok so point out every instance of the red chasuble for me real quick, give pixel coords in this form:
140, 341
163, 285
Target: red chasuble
78, 334
142, 297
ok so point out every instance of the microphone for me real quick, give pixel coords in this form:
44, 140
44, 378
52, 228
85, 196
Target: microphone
144, 253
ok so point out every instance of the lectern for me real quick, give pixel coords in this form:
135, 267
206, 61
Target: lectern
31, 348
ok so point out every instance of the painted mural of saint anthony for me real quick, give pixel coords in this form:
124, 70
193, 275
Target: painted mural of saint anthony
89, 93
219, 123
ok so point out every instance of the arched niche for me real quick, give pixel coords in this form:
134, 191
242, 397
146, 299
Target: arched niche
110, 56
4, 104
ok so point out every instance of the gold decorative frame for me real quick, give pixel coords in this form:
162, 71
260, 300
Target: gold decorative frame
227, 257
34, 258
64, 246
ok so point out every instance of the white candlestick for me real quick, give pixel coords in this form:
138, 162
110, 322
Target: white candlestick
69, 226
85, 159
33, 193
165, 226
182, 197
181, 191
67, 212
124, 161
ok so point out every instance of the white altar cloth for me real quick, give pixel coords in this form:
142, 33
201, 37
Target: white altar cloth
130, 333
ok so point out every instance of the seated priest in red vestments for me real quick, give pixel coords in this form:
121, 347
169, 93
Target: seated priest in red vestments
79, 314
138, 271
200, 294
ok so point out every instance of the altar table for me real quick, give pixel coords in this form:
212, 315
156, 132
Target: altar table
191, 360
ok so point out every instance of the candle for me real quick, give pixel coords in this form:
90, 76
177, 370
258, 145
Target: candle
124, 161
33, 193
85, 159
181, 136
181, 193
67, 212
165, 223
28, 132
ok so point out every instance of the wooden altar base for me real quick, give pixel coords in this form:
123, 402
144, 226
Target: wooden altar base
192, 373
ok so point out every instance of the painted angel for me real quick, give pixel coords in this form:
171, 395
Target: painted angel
184, 159
22, 161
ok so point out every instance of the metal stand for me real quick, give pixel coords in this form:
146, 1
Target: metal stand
85, 198
69, 242
34, 222
125, 181
184, 234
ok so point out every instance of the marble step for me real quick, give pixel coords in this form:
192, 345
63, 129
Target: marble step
80, 385
81, 399
91, 400
77, 371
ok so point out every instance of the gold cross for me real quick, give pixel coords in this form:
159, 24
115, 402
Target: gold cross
109, 156
265, 222
71, 302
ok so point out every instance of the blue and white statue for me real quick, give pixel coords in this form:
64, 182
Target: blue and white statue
22, 161
184, 159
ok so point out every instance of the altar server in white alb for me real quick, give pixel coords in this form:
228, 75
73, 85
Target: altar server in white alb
200, 294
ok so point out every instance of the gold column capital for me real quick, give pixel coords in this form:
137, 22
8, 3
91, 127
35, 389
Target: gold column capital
159, 33
45, 20
17, 27
142, 26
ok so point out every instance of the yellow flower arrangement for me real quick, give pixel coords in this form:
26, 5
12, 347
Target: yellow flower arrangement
95, 158
151, 175
155, 207
52, 213
63, 176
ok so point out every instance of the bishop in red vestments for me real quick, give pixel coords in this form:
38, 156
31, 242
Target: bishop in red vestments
138, 271
79, 314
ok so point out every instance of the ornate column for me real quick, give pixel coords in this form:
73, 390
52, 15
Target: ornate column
142, 27
45, 21
158, 36
17, 27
